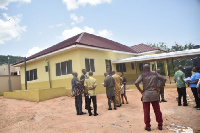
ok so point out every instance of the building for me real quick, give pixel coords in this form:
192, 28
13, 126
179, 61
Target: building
53, 67
13, 70
83, 51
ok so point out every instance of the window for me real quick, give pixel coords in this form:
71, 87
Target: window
141, 67
46, 69
153, 67
132, 66
108, 65
89, 65
31, 75
64, 68
121, 67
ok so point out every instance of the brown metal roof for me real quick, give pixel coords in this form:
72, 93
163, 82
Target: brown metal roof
142, 48
83, 39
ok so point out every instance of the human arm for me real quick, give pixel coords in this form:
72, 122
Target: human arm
137, 82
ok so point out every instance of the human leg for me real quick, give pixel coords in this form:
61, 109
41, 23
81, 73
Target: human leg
94, 100
194, 91
158, 113
76, 105
184, 96
114, 102
146, 109
109, 104
179, 96
88, 105
80, 104
122, 97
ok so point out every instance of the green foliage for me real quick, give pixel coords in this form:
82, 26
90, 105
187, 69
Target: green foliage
13, 59
172, 67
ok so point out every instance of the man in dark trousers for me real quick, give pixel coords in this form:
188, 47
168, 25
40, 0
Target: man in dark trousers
150, 94
82, 79
179, 77
109, 83
161, 89
90, 85
76, 87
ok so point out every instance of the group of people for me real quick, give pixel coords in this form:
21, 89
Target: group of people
153, 87
193, 83
115, 90
86, 85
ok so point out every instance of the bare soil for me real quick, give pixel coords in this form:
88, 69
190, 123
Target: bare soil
58, 115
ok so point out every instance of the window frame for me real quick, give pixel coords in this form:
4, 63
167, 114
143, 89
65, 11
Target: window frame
89, 65
28, 76
61, 73
109, 64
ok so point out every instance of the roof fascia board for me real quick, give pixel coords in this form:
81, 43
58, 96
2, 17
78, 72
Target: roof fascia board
162, 56
148, 52
74, 46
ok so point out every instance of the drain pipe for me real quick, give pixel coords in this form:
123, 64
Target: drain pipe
25, 73
9, 81
49, 73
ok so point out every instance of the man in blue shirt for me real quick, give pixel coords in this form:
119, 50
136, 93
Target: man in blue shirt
193, 83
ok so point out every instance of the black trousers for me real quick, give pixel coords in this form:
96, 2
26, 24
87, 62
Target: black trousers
78, 104
94, 100
114, 102
182, 92
197, 99
162, 93
85, 94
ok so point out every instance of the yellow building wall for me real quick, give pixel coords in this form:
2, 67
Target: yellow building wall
78, 63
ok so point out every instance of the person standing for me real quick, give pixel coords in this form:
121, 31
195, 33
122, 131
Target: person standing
82, 79
109, 83
179, 77
161, 89
118, 81
150, 94
193, 84
123, 90
90, 85
76, 87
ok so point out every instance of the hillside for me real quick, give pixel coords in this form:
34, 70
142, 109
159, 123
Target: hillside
13, 59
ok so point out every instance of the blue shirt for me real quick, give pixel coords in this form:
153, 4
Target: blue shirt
194, 77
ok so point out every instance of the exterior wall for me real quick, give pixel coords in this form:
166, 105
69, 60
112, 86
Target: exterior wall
15, 83
4, 69
43, 78
78, 63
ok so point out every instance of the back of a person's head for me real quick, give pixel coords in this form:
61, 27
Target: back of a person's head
198, 68
90, 73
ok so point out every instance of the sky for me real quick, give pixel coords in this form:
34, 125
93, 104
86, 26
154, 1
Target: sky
29, 26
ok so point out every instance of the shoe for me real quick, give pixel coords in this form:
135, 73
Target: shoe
163, 100
90, 114
185, 104
115, 108
122, 102
195, 107
82, 113
96, 114
179, 104
198, 108
147, 128
126, 102
109, 108
160, 128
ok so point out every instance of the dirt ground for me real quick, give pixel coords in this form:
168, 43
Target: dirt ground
58, 115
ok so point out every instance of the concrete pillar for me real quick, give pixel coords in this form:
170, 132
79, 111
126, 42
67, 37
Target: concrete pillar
166, 68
